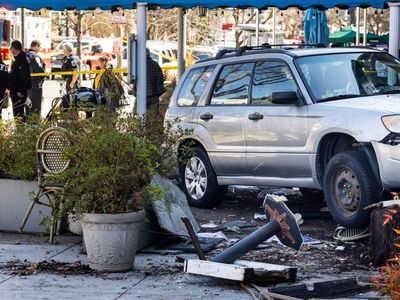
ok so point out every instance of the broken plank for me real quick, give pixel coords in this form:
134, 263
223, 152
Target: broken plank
218, 270
269, 273
242, 270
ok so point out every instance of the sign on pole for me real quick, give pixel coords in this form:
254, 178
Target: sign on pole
118, 18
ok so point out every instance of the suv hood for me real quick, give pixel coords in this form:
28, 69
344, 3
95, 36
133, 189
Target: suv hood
387, 104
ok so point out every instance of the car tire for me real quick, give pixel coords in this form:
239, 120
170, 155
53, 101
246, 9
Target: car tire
312, 194
199, 181
349, 186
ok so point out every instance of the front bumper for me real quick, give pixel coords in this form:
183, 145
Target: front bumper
388, 157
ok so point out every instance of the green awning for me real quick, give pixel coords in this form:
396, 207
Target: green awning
348, 35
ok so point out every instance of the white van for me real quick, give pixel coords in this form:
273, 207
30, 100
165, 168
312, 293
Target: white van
165, 53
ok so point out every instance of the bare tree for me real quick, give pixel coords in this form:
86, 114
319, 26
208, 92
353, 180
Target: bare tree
292, 22
200, 29
378, 20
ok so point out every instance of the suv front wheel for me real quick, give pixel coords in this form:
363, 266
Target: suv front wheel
349, 186
199, 181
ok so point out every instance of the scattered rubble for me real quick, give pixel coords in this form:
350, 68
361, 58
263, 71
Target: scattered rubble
59, 268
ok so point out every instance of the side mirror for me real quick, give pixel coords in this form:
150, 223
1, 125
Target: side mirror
285, 98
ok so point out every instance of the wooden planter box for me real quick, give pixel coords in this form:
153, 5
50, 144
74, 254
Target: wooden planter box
14, 201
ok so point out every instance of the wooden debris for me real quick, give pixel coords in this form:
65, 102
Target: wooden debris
241, 270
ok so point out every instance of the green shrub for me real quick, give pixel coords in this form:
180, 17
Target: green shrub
113, 158
18, 147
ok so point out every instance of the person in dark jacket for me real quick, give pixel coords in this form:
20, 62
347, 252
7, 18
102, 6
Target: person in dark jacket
4, 78
36, 65
155, 85
20, 79
70, 62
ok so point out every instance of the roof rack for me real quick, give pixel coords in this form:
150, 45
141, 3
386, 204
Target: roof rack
240, 51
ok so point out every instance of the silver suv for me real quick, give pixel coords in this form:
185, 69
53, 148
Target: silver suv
318, 119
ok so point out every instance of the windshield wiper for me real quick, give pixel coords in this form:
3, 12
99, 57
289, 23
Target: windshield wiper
339, 97
388, 92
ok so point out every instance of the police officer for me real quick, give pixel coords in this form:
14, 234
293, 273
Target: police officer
70, 62
4, 78
36, 65
20, 79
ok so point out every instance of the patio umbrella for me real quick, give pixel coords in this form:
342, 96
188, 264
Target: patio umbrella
316, 30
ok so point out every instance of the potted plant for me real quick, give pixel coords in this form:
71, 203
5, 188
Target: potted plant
108, 185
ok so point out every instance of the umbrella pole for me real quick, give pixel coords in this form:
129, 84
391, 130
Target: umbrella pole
365, 28
273, 26
257, 27
357, 26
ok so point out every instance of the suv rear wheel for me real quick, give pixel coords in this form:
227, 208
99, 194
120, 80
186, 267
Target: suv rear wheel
199, 181
349, 186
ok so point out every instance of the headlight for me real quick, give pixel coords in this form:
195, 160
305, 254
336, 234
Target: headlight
53, 58
392, 123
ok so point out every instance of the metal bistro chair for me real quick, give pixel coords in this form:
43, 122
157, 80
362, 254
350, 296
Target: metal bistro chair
50, 160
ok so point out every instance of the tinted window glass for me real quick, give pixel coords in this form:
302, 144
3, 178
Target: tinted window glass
270, 77
193, 86
233, 84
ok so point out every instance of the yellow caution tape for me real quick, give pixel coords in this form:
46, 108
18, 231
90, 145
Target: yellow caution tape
77, 72
91, 72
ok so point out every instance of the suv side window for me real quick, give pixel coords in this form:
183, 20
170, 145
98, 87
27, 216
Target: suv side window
193, 86
270, 77
233, 85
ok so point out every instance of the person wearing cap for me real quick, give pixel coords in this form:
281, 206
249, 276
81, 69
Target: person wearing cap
103, 64
20, 79
70, 62
108, 84
36, 65
4, 78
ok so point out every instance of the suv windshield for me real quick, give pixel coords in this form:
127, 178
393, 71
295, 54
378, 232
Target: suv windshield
347, 75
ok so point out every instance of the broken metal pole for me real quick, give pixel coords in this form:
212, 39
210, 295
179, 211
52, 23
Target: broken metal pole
194, 238
248, 243
282, 223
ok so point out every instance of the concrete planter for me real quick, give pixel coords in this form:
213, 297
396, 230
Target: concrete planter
111, 240
14, 201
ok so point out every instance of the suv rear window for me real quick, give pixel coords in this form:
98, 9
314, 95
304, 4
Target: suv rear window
270, 77
233, 85
193, 86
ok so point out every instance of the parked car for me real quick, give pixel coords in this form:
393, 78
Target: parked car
318, 119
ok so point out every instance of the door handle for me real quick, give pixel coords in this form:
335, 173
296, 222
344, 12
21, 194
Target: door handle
206, 116
256, 116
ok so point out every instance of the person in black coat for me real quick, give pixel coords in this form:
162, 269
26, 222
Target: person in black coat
4, 78
20, 79
155, 85
37, 65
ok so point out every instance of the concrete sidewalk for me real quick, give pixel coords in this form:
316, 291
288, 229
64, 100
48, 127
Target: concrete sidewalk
154, 277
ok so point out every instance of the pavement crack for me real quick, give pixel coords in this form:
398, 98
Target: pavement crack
137, 283
58, 253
